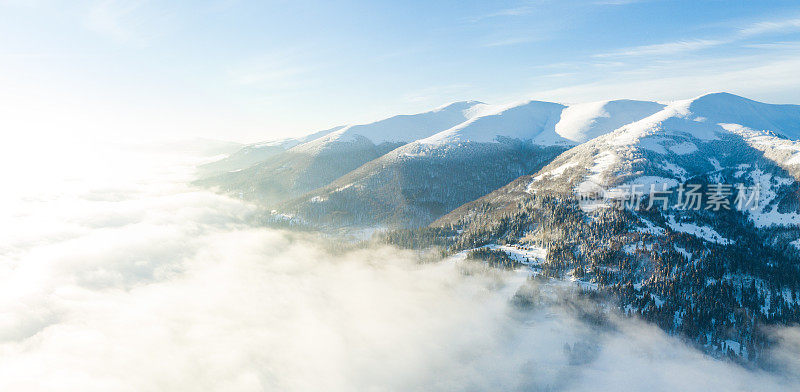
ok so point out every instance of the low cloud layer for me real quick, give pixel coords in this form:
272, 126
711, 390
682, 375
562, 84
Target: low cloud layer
143, 284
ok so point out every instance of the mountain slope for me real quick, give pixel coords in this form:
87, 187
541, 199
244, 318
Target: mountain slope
420, 181
252, 154
716, 134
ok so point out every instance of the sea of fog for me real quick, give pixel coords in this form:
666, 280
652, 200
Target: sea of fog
116, 275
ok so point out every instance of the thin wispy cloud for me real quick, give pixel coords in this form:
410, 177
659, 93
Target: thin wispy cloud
509, 41
401, 53
768, 27
691, 45
511, 12
753, 76
617, 2
515, 11
775, 45
127, 21
114, 18
280, 71
664, 49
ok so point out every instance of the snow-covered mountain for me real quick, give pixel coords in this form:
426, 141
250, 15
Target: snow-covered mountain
422, 180
718, 136
545, 123
315, 163
714, 275
715, 138
401, 128
546, 179
254, 153
408, 170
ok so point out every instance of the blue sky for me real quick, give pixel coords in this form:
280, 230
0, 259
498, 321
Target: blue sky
254, 70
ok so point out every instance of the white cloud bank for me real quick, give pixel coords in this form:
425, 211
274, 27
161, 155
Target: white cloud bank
143, 284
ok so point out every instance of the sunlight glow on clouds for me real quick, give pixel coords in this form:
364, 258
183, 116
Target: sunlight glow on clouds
145, 284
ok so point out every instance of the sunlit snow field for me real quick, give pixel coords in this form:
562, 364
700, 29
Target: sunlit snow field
115, 275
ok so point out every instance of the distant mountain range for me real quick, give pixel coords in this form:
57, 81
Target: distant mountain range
408, 170
600, 189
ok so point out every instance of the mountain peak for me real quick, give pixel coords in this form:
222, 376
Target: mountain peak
721, 102
706, 116
726, 108
458, 105
721, 96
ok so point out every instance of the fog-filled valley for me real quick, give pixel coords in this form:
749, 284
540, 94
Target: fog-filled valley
117, 275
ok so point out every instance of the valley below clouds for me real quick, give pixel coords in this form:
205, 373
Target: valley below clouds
117, 275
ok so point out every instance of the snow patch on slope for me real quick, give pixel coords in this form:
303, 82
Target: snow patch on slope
557, 172
684, 148
678, 171
766, 215
522, 254
704, 232
594, 182
527, 121
586, 121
